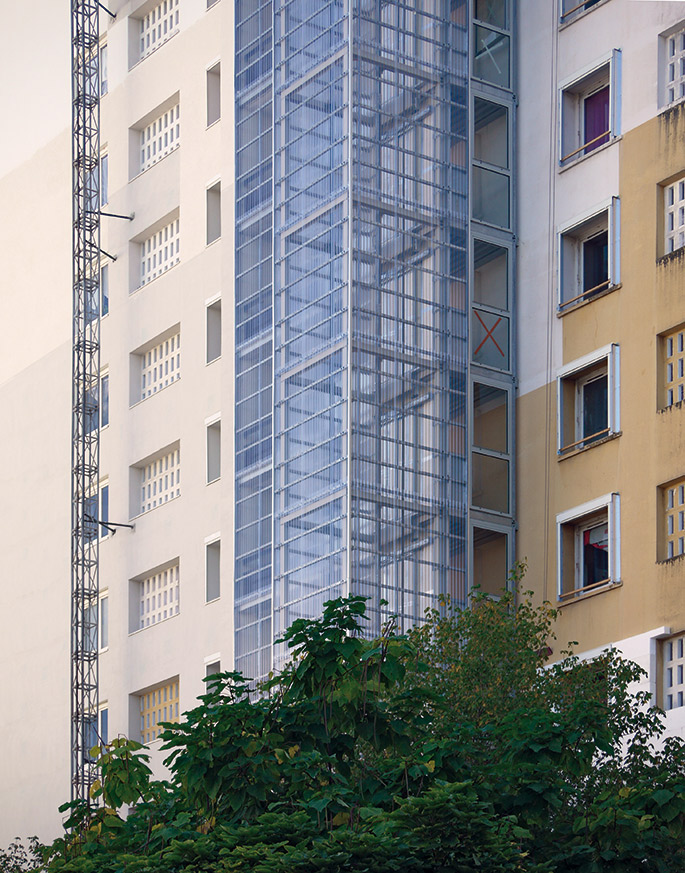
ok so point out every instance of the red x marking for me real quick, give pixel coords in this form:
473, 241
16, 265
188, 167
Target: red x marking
488, 333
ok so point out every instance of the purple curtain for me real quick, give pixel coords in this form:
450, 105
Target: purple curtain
596, 109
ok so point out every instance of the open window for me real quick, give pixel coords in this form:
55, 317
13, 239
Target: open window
590, 109
588, 547
571, 8
589, 403
589, 255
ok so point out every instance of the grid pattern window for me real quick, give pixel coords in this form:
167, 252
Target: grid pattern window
160, 252
158, 25
674, 519
157, 705
160, 137
674, 208
161, 480
159, 596
673, 666
675, 67
161, 366
674, 367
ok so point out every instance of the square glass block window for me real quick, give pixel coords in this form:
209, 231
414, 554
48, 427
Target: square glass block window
673, 662
158, 25
158, 705
673, 497
158, 596
674, 367
674, 215
675, 68
161, 480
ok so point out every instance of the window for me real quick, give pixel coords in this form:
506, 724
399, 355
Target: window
588, 547
156, 480
213, 94
490, 274
590, 109
160, 137
156, 366
104, 725
674, 214
155, 596
490, 560
673, 367
159, 252
490, 461
104, 289
491, 157
673, 666
104, 400
104, 86
157, 26
213, 318
95, 513
104, 179
213, 212
97, 729
571, 8
212, 569
672, 67
589, 255
213, 668
211, 3
491, 54
672, 539
492, 12
156, 705
213, 450
588, 398
104, 621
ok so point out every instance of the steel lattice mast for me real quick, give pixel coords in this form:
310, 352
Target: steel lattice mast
85, 444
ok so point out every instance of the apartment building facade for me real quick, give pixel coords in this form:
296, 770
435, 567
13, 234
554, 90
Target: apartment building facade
600, 317
354, 238
306, 348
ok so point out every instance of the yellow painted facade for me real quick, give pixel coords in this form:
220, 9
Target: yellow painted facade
644, 461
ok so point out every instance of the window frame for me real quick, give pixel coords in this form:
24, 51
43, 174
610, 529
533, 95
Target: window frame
575, 372
582, 518
212, 540
674, 32
574, 91
212, 424
572, 231
577, 9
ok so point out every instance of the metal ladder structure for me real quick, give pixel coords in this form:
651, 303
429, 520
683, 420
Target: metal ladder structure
85, 435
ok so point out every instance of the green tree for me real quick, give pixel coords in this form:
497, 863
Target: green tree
451, 748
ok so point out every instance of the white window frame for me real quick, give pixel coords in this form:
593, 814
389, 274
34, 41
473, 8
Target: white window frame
674, 38
103, 621
573, 229
611, 503
104, 69
572, 93
574, 371
674, 207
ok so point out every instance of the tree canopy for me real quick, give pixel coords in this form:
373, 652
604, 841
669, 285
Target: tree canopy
450, 748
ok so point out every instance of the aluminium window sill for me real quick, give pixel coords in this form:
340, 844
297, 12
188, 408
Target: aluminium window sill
561, 313
581, 158
585, 595
562, 456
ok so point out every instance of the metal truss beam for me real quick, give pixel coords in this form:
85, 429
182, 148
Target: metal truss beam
85, 441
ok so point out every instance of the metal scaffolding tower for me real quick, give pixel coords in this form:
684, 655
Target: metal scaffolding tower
85, 443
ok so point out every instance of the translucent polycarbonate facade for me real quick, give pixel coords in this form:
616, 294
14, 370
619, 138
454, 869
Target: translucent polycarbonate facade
356, 461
